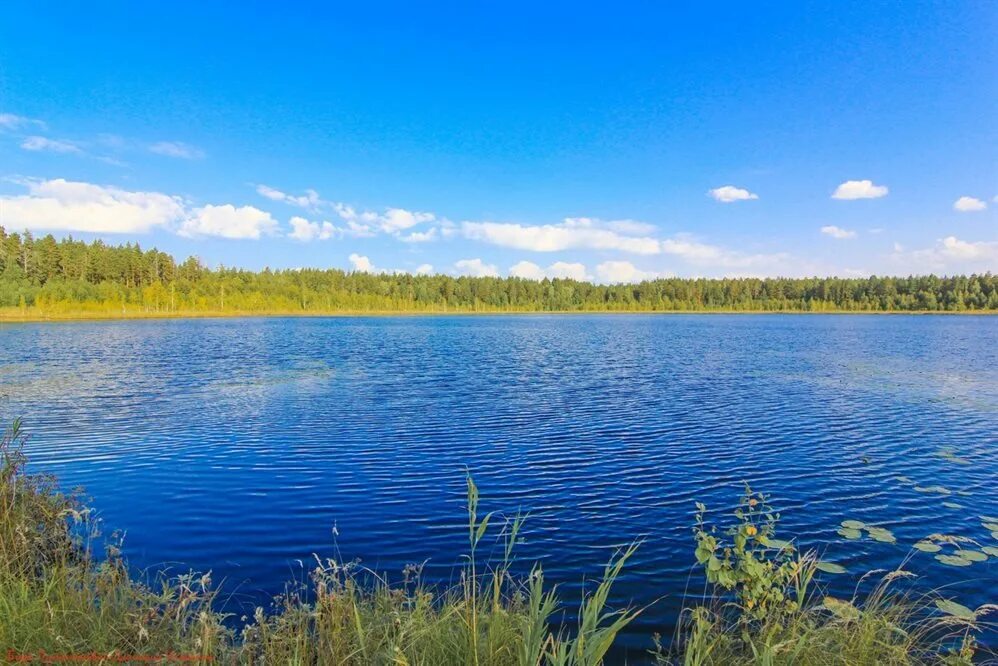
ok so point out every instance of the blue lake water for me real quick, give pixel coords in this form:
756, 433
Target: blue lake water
237, 445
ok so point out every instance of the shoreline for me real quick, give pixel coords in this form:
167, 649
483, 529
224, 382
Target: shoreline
33, 318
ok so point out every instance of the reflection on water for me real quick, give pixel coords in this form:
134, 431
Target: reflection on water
237, 445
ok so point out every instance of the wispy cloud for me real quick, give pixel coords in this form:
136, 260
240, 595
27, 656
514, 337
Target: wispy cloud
177, 149
41, 143
838, 232
557, 237
10, 121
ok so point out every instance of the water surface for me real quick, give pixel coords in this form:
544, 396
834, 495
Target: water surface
237, 445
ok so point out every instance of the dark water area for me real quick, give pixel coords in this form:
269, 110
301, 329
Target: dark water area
237, 445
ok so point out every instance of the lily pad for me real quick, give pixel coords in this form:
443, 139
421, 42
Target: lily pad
850, 533
933, 489
972, 555
779, 544
991, 550
952, 457
928, 547
881, 534
952, 505
953, 560
830, 567
990, 527
955, 609
903, 479
842, 609
994, 535
989, 519
853, 524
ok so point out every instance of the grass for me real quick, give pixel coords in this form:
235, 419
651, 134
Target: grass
761, 605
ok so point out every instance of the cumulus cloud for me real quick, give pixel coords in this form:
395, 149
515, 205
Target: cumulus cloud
227, 221
730, 194
618, 272
968, 205
398, 219
859, 189
306, 230
180, 150
76, 206
424, 269
41, 143
837, 232
555, 238
560, 269
475, 268
949, 254
361, 264
10, 121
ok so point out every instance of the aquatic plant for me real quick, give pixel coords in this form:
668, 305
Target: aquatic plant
57, 598
766, 605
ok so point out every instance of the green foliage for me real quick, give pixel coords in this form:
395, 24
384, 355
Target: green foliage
778, 617
69, 278
765, 574
56, 597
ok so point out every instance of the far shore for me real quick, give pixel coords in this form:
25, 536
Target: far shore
16, 316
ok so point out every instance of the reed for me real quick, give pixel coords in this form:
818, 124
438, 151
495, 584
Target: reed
761, 606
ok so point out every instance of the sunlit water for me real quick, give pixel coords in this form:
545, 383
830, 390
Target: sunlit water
236, 445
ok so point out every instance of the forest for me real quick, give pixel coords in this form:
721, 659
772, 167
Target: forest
46, 277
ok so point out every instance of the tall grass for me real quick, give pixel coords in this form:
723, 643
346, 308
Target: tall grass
763, 607
57, 597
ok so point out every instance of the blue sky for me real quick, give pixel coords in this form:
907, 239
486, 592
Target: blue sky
608, 142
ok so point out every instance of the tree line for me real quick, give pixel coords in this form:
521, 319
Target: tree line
67, 276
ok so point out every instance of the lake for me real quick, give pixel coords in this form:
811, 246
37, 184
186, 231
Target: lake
237, 445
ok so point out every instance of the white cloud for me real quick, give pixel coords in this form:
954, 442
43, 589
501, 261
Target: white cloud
177, 149
424, 269
227, 221
475, 268
730, 193
837, 232
310, 199
968, 205
554, 238
76, 206
41, 143
616, 272
305, 230
949, 254
859, 189
560, 269
953, 247
624, 227
397, 219
9, 121
704, 254
420, 236
361, 263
